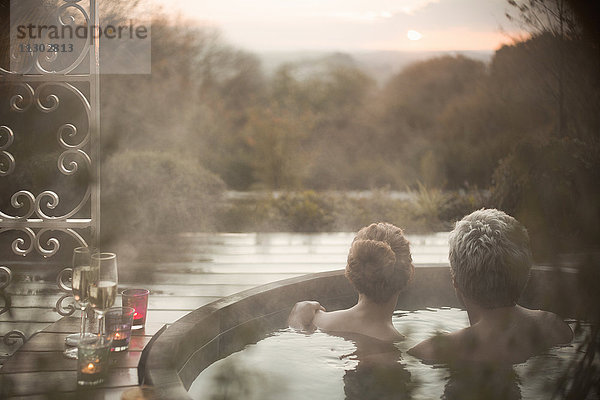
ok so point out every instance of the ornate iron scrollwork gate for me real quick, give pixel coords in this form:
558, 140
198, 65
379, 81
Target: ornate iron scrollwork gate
49, 170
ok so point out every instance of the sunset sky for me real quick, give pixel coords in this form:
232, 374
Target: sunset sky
352, 25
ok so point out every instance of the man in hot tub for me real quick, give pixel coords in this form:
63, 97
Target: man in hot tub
490, 260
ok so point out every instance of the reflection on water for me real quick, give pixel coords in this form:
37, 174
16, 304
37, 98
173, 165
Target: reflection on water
379, 373
294, 366
287, 365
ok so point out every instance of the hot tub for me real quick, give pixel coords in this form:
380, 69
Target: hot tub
216, 330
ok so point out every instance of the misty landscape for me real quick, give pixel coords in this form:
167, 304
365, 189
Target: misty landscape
223, 139
455, 130
231, 166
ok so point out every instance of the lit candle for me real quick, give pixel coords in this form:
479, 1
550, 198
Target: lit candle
138, 300
92, 361
89, 369
117, 336
138, 318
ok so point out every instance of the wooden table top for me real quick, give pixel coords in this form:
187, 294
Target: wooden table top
39, 370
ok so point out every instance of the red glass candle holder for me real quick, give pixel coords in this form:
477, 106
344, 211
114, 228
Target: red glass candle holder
138, 300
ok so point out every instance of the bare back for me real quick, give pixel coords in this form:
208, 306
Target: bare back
354, 320
513, 339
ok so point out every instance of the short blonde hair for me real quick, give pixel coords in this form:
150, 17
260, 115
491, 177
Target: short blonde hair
490, 258
379, 262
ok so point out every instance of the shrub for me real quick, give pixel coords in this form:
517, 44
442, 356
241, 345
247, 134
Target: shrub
352, 213
458, 204
149, 193
311, 211
305, 211
254, 214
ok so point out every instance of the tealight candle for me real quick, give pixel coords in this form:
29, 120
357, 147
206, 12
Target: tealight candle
138, 299
89, 369
118, 326
121, 339
92, 360
138, 318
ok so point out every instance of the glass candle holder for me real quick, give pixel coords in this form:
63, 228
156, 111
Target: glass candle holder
118, 327
92, 360
138, 300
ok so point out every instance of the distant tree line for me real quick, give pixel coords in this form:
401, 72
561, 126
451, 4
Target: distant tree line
446, 122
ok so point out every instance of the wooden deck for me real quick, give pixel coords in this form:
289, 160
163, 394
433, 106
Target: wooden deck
204, 268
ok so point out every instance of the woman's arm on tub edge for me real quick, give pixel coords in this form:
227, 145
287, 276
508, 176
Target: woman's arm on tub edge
302, 315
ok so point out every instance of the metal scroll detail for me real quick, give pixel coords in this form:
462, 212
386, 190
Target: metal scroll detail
7, 160
49, 137
5, 280
66, 20
29, 240
23, 99
64, 278
68, 162
47, 62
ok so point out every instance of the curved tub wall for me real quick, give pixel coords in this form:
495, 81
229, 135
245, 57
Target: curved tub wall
220, 328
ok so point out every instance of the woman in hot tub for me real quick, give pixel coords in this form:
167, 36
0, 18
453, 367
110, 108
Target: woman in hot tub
379, 267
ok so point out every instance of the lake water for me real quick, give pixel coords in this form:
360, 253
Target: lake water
296, 366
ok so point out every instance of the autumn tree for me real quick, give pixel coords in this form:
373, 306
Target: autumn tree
412, 104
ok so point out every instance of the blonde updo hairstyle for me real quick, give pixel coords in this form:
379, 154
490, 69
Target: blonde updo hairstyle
379, 262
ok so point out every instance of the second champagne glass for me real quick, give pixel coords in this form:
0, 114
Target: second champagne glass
103, 290
82, 273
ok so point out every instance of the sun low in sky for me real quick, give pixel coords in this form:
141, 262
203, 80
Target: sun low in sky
413, 35
351, 25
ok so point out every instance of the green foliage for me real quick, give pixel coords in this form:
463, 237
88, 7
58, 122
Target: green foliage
255, 214
437, 210
145, 193
428, 203
310, 211
460, 203
305, 211
353, 212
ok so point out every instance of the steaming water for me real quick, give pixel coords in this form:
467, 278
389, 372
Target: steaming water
295, 366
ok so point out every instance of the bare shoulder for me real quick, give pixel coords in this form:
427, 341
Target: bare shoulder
434, 349
558, 331
562, 332
333, 320
424, 350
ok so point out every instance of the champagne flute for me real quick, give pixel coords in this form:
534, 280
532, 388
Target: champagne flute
103, 289
82, 272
